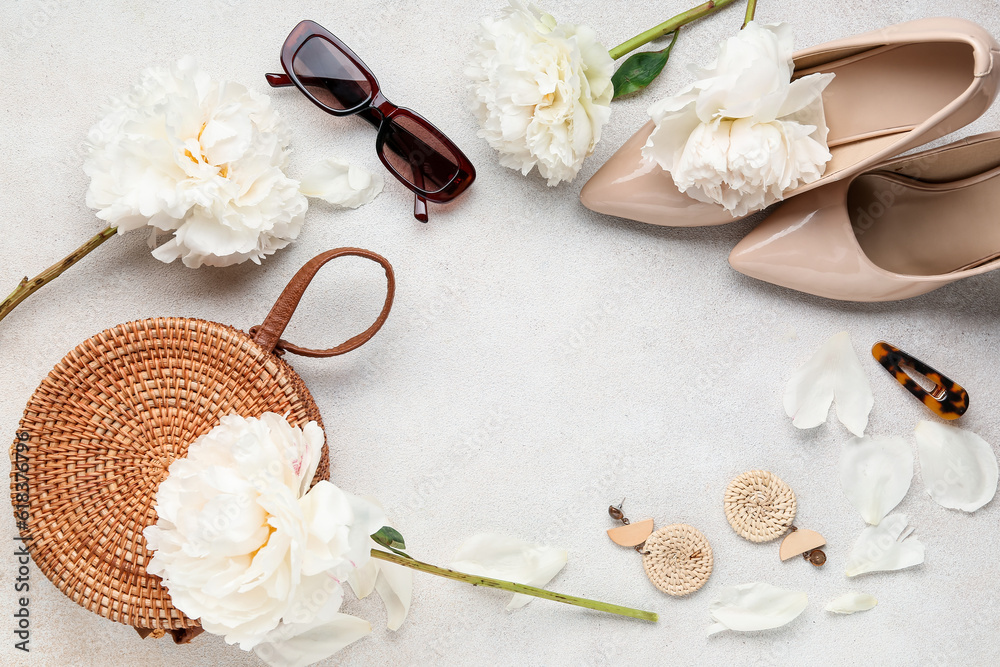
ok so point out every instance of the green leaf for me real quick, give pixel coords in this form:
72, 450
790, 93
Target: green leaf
389, 537
640, 69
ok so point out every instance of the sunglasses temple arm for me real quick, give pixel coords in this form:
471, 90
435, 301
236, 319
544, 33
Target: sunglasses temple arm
420, 208
419, 203
278, 80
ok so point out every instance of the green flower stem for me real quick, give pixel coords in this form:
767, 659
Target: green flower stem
668, 27
751, 8
28, 287
514, 588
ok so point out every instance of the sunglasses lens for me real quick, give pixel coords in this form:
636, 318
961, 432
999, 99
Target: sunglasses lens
418, 154
330, 76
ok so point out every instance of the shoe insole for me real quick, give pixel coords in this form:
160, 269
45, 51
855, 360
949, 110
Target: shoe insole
879, 94
917, 228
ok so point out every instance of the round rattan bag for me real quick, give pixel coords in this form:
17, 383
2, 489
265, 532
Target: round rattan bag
101, 430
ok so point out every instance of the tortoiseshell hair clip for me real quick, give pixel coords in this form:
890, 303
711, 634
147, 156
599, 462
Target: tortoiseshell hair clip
947, 399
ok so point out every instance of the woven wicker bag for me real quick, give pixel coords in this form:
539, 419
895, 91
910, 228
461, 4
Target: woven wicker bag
101, 430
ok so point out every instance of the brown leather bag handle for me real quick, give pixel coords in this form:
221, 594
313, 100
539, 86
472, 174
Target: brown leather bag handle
268, 334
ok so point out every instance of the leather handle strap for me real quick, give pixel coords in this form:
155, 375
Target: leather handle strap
268, 334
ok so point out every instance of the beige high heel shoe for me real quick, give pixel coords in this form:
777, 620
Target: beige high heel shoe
904, 228
895, 89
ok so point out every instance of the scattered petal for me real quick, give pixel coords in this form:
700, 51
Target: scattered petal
848, 603
876, 474
755, 606
362, 579
833, 373
959, 468
395, 586
511, 559
885, 547
341, 184
311, 642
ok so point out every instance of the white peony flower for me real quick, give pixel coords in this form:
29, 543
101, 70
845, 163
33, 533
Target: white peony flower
745, 133
541, 91
202, 159
243, 544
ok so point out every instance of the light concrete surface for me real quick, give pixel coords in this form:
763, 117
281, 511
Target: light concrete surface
541, 362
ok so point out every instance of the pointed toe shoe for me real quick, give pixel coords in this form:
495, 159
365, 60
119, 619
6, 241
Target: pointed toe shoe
627, 186
894, 89
904, 228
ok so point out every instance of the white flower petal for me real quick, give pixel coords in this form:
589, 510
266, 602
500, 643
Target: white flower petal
833, 373
313, 643
875, 474
368, 519
958, 467
511, 559
754, 606
203, 160
326, 516
852, 602
744, 134
540, 90
362, 579
244, 545
341, 183
395, 586
885, 547
804, 92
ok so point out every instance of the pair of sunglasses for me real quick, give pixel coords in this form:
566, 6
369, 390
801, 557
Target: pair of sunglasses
418, 154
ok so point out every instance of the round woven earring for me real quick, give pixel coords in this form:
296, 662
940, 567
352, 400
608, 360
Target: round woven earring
761, 507
677, 558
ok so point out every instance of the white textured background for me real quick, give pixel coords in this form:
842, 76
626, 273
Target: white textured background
541, 361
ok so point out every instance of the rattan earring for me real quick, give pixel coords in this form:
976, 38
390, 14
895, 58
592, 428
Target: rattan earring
761, 507
677, 558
